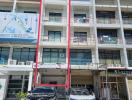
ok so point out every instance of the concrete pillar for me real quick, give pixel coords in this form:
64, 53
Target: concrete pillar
3, 86
96, 79
127, 88
30, 80
14, 5
10, 54
39, 78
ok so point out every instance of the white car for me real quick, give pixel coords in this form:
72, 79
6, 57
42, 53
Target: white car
81, 94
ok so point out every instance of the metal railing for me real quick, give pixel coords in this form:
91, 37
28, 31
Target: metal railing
109, 40
55, 40
107, 20
111, 62
56, 1
128, 40
126, 3
82, 41
82, 0
81, 20
105, 2
127, 20
54, 19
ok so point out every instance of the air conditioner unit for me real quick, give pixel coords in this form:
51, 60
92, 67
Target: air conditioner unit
21, 63
12, 62
29, 62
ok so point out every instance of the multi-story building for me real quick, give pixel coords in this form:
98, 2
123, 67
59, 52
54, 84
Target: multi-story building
100, 45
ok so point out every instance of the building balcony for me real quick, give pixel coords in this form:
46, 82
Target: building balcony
15, 62
29, 1
82, 41
106, 3
130, 62
54, 21
46, 41
75, 61
107, 22
110, 63
126, 3
109, 41
127, 22
128, 40
81, 2
14, 65
56, 2
81, 22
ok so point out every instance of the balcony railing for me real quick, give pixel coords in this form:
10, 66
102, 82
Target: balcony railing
111, 62
54, 40
126, 3
106, 21
105, 2
81, 20
128, 40
109, 40
80, 61
56, 1
127, 20
55, 19
82, 41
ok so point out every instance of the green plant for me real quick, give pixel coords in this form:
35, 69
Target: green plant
21, 95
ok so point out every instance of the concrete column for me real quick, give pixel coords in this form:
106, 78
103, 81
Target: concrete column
30, 80
39, 78
10, 54
3, 86
14, 5
96, 79
40, 55
127, 87
122, 35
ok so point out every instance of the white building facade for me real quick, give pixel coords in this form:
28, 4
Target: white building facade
100, 43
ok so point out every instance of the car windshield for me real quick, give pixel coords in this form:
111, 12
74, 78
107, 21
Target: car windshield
80, 92
43, 90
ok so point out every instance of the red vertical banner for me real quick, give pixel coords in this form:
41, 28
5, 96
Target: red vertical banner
69, 42
37, 44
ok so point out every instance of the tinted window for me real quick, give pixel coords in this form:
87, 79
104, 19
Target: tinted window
80, 92
40, 90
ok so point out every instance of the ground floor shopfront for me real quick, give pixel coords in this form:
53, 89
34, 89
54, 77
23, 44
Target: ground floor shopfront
119, 85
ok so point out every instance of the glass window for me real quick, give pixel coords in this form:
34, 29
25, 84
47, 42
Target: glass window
16, 84
109, 57
54, 55
80, 15
129, 53
24, 54
105, 14
80, 57
54, 36
4, 54
56, 17
80, 36
80, 18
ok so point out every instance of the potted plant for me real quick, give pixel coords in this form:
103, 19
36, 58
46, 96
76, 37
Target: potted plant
21, 95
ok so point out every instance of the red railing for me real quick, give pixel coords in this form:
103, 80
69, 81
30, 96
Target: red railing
68, 82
